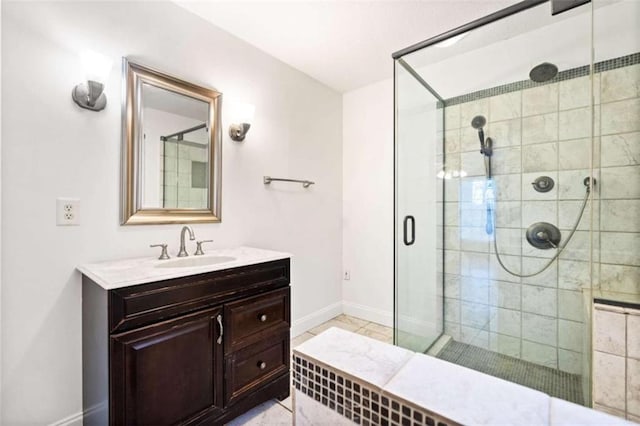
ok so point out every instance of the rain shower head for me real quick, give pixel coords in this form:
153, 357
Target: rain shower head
543, 72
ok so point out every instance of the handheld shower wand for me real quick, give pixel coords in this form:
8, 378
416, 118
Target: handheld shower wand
486, 149
478, 123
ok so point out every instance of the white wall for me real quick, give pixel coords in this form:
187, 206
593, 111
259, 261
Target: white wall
1, 220
367, 191
53, 149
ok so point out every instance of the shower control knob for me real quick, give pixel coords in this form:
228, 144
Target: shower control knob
543, 184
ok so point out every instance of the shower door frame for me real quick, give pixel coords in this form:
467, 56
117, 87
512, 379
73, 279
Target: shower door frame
397, 59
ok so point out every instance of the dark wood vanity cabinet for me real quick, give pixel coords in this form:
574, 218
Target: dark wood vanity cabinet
194, 350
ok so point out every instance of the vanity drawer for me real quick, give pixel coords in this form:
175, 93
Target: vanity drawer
249, 368
144, 304
252, 319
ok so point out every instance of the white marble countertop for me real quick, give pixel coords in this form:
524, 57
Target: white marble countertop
127, 272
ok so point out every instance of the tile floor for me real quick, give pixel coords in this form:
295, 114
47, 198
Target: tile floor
274, 412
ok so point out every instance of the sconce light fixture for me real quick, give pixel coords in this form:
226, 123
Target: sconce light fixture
89, 94
241, 116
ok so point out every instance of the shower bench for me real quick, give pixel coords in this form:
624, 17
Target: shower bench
342, 378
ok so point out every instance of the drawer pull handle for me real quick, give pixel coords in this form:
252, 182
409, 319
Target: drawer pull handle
219, 318
263, 318
262, 365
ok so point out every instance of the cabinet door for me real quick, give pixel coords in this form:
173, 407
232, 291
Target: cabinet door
167, 373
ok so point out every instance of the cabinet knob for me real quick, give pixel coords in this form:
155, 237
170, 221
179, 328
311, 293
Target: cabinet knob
262, 365
263, 317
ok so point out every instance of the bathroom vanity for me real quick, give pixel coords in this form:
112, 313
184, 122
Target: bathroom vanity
185, 344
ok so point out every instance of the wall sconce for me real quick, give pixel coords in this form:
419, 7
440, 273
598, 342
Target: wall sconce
241, 116
90, 94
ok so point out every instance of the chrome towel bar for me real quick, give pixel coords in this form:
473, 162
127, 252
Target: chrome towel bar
305, 183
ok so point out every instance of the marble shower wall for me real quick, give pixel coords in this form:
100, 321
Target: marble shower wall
541, 131
183, 173
616, 361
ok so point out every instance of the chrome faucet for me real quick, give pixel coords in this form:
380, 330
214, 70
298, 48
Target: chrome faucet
192, 236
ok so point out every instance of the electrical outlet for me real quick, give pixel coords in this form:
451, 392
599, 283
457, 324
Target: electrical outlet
67, 211
347, 275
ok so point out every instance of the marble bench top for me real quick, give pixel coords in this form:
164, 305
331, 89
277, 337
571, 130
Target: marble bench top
460, 394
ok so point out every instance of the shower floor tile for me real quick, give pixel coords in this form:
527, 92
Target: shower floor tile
553, 382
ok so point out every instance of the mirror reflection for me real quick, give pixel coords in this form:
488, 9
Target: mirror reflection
175, 150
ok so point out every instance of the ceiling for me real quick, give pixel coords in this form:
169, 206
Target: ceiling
343, 44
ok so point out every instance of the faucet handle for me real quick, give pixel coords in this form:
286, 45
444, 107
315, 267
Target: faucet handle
199, 247
164, 254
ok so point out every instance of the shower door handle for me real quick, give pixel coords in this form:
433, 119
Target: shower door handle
408, 242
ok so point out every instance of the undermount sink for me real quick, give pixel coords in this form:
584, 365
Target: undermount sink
191, 262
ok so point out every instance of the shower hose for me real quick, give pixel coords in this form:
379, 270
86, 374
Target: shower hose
491, 212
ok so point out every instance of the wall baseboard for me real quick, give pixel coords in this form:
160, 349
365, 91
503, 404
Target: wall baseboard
77, 418
72, 420
368, 313
316, 318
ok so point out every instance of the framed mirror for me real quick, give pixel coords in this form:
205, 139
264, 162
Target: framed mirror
171, 153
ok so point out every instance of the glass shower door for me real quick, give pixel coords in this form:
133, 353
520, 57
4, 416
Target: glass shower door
418, 278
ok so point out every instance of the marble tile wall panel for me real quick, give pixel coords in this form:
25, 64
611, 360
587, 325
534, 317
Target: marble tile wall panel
620, 117
540, 128
621, 83
540, 300
452, 117
504, 107
576, 92
474, 239
570, 335
505, 345
540, 354
620, 149
474, 336
570, 361
509, 241
540, 157
539, 329
506, 321
620, 278
544, 130
570, 305
504, 294
609, 379
620, 215
576, 154
506, 133
620, 182
616, 360
575, 123
540, 100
